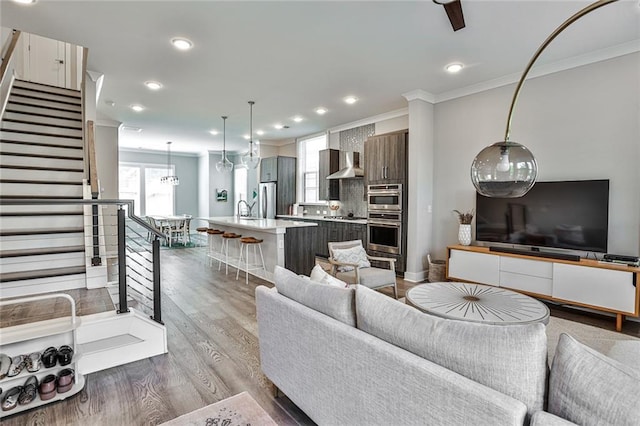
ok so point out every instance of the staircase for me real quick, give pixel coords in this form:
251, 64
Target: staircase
42, 248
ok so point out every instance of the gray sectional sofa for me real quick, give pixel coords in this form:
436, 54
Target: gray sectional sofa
352, 356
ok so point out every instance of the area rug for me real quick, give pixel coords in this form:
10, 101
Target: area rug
237, 410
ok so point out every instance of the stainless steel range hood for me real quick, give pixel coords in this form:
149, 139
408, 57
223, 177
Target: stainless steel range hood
351, 169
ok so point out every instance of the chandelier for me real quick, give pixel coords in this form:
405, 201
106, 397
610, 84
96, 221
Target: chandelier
169, 179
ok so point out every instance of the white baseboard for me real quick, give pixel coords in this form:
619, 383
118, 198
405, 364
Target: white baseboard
416, 277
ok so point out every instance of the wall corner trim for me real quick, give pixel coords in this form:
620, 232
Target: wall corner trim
420, 94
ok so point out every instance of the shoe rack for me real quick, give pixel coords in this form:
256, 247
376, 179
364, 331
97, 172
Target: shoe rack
36, 337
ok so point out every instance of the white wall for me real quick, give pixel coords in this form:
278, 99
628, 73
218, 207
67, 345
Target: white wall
582, 123
106, 145
204, 191
216, 182
288, 150
392, 124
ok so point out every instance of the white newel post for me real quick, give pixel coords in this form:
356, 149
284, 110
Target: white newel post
420, 183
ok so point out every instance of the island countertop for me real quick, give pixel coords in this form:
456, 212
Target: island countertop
276, 226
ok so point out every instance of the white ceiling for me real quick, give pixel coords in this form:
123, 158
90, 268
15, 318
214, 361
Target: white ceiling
293, 56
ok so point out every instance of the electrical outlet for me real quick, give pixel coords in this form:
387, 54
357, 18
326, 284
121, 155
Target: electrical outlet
281, 244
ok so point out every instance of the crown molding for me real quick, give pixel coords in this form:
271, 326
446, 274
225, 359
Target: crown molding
419, 94
108, 123
542, 70
370, 120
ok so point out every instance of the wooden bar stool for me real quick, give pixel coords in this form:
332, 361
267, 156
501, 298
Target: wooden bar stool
245, 243
215, 245
202, 232
226, 237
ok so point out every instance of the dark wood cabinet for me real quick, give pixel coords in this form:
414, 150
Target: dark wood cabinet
281, 170
297, 256
332, 231
385, 158
329, 163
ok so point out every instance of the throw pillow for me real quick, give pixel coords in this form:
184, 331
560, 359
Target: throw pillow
589, 388
321, 276
356, 255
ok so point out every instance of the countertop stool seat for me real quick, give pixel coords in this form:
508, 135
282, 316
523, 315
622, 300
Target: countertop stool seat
245, 243
214, 245
226, 237
202, 232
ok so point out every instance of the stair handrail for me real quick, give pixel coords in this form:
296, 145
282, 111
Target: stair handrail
7, 58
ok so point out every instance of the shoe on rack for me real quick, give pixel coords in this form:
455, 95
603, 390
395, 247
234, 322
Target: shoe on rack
18, 363
65, 380
48, 387
29, 391
10, 399
5, 364
49, 357
65, 355
33, 362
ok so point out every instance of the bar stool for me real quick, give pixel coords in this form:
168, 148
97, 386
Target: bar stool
245, 243
226, 237
202, 231
214, 250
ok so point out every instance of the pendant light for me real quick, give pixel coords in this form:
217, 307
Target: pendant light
508, 169
224, 165
251, 159
169, 179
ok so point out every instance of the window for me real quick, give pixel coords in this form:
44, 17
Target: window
141, 183
308, 164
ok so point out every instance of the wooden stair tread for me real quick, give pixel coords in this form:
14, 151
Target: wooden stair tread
51, 135
41, 251
52, 169
40, 182
42, 273
48, 88
41, 213
40, 231
34, 155
43, 144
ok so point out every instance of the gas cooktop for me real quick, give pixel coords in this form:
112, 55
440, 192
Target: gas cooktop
345, 217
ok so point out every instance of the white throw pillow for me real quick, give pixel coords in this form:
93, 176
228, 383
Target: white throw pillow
321, 276
356, 255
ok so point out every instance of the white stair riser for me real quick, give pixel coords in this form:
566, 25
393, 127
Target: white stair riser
40, 209
49, 130
11, 107
52, 89
47, 96
17, 222
21, 242
33, 263
42, 285
40, 139
8, 147
40, 120
23, 100
15, 160
9, 189
43, 175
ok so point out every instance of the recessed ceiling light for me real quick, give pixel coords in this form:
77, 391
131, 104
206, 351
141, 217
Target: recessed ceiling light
181, 43
351, 100
25, 1
246, 137
213, 132
110, 103
278, 126
153, 85
259, 132
321, 110
453, 68
297, 119
137, 108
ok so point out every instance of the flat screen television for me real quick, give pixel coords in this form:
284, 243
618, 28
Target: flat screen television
567, 215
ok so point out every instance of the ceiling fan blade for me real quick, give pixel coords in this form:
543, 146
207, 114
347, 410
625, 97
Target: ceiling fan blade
454, 12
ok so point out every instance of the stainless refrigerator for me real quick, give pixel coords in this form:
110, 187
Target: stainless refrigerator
267, 200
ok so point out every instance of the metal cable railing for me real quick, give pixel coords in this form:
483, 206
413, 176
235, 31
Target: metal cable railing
126, 239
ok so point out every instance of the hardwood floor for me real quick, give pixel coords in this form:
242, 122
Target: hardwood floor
213, 354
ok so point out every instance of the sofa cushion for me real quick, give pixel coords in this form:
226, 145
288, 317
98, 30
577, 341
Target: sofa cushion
542, 418
589, 388
319, 275
511, 359
335, 302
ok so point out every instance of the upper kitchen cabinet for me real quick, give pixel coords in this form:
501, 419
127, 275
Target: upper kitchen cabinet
269, 169
329, 163
385, 158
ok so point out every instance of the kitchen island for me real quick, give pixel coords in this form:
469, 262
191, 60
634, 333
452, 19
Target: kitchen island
286, 243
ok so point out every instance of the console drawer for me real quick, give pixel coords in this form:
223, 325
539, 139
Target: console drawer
535, 268
526, 283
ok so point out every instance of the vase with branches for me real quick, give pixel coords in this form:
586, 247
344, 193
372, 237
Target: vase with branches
464, 231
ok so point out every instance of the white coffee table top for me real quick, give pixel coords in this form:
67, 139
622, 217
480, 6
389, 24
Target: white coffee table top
477, 303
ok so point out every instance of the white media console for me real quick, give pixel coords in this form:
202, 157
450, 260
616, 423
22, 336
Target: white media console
589, 283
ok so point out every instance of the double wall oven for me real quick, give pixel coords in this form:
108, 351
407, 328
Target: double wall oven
384, 219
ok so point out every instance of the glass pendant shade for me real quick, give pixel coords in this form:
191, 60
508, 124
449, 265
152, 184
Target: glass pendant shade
505, 170
251, 158
224, 165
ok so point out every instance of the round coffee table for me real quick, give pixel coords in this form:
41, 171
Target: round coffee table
477, 303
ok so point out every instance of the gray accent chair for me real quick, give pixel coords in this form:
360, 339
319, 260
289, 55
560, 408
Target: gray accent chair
371, 277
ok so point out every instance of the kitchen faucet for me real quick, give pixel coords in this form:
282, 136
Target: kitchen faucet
249, 207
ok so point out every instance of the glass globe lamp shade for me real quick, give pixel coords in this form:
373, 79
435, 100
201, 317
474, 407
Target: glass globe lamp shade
251, 158
224, 165
504, 170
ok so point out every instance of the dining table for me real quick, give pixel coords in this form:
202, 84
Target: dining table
173, 226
